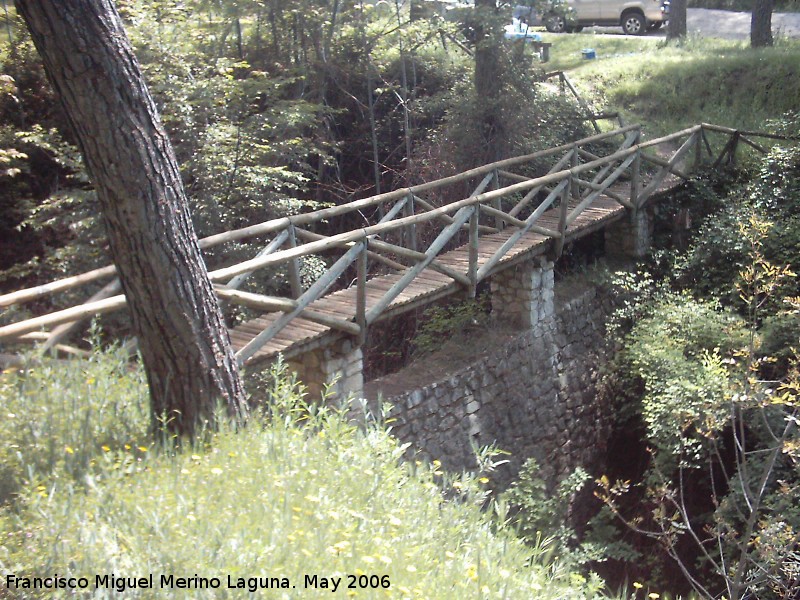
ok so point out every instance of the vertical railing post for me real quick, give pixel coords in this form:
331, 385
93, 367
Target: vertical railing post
636, 172
473, 250
294, 266
575, 191
410, 230
361, 294
698, 149
497, 202
734, 146
563, 209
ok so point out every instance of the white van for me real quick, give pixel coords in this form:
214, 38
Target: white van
634, 16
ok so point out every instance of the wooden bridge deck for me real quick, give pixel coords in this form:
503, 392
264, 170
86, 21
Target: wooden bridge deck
301, 334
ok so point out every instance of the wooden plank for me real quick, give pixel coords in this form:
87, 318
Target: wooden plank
659, 177
75, 313
258, 301
596, 194
663, 163
61, 285
505, 247
530, 195
425, 283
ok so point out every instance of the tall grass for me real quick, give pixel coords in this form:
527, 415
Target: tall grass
57, 418
302, 493
669, 86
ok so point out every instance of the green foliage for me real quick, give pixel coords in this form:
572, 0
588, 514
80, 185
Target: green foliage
537, 512
303, 492
440, 323
678, 352
722, 252
705, 407
60, 417
531, 120
780, 341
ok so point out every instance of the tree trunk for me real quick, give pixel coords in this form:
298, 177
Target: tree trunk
183, 339
676, 28
488, 79
761, 24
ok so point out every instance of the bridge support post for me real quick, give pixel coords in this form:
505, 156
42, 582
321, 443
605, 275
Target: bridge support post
630, 238
338, 368
523, 295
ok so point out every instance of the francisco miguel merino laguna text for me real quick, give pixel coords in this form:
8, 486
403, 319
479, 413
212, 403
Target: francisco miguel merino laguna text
120, 584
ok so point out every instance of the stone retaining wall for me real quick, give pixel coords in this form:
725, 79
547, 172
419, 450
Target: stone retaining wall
529, 391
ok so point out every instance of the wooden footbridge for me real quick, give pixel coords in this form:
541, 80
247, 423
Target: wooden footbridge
419, 250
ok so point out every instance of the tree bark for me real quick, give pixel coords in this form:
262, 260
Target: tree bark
761, 24
676, 28
183, 340
488, 79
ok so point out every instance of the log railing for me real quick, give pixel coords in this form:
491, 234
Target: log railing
507, 194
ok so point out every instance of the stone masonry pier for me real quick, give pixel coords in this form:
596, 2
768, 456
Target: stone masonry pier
530, 390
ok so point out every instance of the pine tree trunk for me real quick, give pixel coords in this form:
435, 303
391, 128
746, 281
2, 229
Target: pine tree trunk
761, 24
183, 339
676, 27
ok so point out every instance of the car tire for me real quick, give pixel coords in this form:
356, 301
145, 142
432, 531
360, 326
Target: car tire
633, 24
555, 23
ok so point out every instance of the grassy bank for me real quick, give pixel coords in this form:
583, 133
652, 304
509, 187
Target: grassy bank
300, 495
671, 86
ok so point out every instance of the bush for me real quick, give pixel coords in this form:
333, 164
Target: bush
721, 251
678, 352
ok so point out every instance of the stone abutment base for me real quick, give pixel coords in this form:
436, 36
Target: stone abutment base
630, 238
333, 372
522, 296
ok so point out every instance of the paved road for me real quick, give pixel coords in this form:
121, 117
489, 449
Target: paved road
736, 25
723, 24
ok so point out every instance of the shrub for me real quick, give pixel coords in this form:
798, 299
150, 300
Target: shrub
677, 351
441, 323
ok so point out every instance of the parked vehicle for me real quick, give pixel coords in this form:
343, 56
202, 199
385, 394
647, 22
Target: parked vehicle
634, 16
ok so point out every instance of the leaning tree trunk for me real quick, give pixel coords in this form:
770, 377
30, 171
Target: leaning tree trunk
676, 27
761, 24
182, 337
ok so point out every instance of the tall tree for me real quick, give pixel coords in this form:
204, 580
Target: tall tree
488, 67
676, 28
183, 339
761, 23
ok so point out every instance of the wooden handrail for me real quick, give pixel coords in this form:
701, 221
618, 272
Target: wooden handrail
568, 179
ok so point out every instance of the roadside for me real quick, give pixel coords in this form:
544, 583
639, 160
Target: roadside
725, 24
